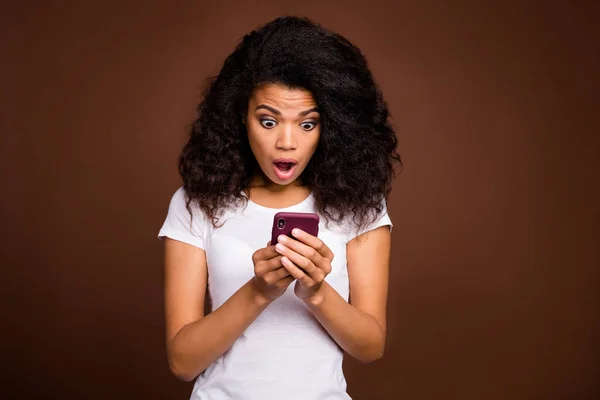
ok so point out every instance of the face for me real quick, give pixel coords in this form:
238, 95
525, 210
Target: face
283, 130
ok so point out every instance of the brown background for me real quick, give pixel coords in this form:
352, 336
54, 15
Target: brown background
494, 291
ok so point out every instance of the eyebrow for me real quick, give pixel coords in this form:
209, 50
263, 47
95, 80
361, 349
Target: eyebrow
276, 111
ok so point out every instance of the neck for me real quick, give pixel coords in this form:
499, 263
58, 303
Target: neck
260, 181
263, 191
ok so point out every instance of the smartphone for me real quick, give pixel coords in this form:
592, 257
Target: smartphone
285, 222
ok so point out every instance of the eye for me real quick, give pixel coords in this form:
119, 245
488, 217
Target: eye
270, 122
311, 125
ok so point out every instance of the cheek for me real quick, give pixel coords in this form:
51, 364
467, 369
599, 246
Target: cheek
252, 140
256, 144
312, 143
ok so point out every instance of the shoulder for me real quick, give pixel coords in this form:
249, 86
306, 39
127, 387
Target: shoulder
179, 204
179, 198
188, 225
375, 219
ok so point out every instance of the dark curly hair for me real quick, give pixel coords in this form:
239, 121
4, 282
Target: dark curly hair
352, 169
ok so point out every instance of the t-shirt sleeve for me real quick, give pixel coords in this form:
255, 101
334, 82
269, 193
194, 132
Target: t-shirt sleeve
177, 223
383, 219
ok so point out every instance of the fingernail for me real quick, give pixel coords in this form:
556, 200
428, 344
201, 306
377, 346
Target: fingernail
296, 232
279, 247
282, 238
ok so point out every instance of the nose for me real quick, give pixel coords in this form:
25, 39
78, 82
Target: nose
286, 139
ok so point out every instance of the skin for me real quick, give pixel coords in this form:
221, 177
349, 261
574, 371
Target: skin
281, 123
195, 341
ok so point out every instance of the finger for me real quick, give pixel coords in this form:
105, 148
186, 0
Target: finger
265, 266
277, 275
300, 261
313, 242
296, 272
275, 262
285, 282
264, 254
305, 251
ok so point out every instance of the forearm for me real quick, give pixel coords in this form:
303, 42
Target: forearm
355, 331
200, 343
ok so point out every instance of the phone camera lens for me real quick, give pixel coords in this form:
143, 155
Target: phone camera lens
280, 223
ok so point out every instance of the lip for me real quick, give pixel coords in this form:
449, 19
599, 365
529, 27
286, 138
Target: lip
285, 160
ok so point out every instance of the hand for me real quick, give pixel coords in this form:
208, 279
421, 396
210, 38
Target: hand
271, 278
307, 259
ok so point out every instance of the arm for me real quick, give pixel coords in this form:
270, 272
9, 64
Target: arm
193, 340
358, 327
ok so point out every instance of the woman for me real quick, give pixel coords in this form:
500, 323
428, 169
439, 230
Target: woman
293, 122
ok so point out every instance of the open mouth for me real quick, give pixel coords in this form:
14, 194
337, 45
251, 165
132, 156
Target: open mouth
284, 166
284, 169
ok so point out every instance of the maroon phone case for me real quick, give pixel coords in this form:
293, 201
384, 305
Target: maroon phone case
308, 222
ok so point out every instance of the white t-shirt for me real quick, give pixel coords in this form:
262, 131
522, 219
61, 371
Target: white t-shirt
285, 353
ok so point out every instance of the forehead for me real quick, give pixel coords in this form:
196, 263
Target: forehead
282, 97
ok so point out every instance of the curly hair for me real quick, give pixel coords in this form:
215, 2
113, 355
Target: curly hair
352, 169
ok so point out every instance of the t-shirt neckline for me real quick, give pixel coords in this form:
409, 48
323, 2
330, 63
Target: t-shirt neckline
259, 207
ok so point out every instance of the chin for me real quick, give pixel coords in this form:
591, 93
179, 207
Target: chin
276, 181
